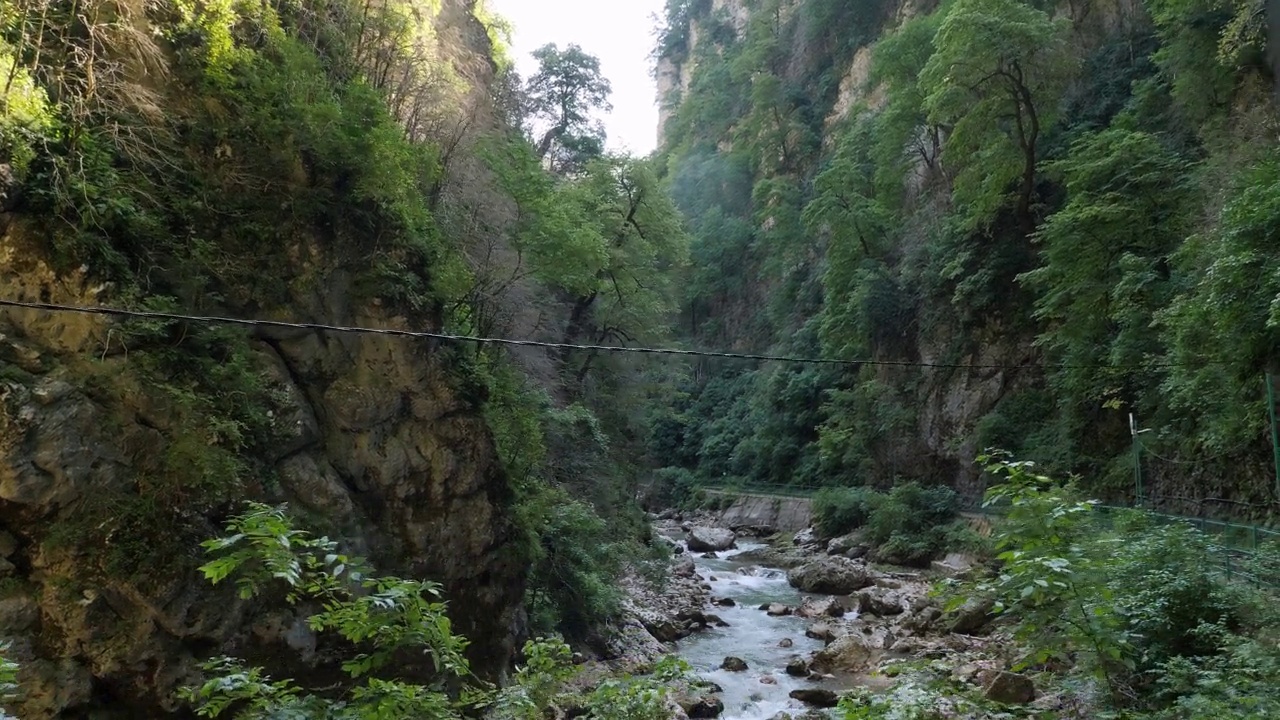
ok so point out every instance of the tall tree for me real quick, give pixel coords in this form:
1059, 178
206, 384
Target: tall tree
564, 96
641, 243
1105, 260
995, 79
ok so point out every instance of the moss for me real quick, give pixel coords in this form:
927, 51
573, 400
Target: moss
128, 538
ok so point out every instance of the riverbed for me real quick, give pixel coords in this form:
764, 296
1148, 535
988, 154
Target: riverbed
753, 636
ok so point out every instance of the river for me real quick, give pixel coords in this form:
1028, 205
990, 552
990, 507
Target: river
752, 635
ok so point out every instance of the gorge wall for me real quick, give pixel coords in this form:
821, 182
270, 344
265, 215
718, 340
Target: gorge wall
933, 189
125, 443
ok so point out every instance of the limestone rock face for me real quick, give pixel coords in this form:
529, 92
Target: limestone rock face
375, 444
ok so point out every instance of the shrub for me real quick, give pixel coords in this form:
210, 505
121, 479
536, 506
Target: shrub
577, 559
912, 524
671, 487
837, 511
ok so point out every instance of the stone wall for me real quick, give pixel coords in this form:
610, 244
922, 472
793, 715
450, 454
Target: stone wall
782, 514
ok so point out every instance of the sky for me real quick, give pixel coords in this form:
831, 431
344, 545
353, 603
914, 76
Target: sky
619, 32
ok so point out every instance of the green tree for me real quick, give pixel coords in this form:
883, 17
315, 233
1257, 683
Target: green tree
1223, 324
564, 95
903, 136
1105, 260
628, 296
381, 618
994, 82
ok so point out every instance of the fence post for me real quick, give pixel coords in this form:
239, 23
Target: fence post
1275, 438
1137, 461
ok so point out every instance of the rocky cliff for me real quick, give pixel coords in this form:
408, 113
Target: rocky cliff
851, 199
122, 447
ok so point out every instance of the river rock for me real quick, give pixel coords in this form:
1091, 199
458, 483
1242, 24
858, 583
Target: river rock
778, 610
921, 622
880, 604
850, 653
818, 697
768, 680
734, 664
707, 706
812, 607
685, 568
807, 536
8, 544
797, 667
1011, 689
821, 631
710, 556
716, 620
786, 643
954, 565
759, 531
709, 539
844, 543
725, 602
831, 575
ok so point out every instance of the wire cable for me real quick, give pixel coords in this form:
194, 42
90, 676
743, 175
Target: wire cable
281, 324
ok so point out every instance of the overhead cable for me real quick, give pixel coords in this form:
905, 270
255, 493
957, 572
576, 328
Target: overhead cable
393, 332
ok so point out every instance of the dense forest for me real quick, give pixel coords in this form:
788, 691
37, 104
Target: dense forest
1043, 229
1033, 221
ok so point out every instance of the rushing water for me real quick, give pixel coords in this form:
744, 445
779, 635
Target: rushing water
753, 636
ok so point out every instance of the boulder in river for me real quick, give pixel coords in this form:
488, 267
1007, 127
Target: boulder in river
701, 707
685, 568
786, 643
954, 565
797, 667
879, 603
709, 539
849, 653
844, 543
778, 610
734, 664
725, 602
821, 631
818, 697
812, 607
831, 575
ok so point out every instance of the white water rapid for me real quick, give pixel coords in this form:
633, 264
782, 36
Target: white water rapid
753, 636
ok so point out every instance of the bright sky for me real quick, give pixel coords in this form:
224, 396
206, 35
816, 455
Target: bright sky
619, 32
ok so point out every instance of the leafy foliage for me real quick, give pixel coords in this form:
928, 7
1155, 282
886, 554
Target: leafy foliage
997, 68
909, 525
563, 95
1124, 598
382, 618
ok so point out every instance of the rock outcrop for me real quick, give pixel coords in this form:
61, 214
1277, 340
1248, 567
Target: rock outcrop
376, 443
831, 575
